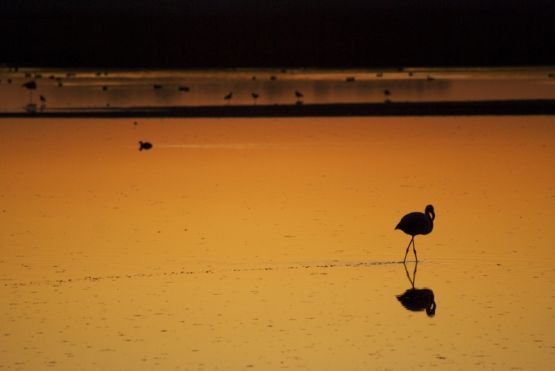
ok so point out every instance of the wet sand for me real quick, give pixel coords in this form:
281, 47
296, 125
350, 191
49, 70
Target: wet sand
270, 243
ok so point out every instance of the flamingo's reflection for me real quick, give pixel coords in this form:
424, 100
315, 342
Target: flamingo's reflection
417, 299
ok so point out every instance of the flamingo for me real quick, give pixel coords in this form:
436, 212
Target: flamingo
417, 223
254, 97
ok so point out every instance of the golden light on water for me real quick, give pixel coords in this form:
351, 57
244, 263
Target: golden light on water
269, 243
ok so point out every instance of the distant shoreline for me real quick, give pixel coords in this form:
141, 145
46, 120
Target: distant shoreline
450, 108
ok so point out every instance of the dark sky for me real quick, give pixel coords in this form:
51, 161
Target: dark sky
264, 33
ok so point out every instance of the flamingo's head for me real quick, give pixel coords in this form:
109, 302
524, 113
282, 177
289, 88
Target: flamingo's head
430, 210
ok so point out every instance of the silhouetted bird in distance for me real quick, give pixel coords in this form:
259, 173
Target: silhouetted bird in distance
229, 96
417, 223
299, 97
144, 145
254, 97
387, 94
183, 88
30, 85
157, 86
42, 99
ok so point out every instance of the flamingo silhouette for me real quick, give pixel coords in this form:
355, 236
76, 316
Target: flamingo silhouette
417, 223
254, 97
415, 299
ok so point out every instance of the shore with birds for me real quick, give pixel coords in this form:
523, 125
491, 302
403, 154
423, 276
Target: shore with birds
144, 241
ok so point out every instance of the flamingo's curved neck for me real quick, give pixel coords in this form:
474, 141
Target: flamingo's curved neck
431, 215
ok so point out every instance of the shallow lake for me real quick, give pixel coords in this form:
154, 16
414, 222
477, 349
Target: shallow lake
63, 90
270, 243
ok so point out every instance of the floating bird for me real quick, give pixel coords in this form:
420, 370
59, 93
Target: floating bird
350, 79
183, 88
417, 223
157, 86
144, 145
254, 97
229, 96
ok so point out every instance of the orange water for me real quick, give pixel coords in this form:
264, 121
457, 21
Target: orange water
269, 243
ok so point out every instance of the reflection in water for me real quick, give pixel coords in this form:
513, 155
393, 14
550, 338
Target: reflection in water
417, 299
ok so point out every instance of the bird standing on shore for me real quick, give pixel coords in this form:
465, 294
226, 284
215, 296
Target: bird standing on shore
387, 94
417, 223
254, 97
299, 96
30, 85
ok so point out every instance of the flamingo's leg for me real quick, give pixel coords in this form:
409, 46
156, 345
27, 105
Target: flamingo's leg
414, 249
408, 247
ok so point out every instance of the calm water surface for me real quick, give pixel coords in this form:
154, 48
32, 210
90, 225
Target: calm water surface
270, 243
91, 88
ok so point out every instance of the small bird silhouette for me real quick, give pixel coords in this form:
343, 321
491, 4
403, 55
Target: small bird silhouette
30, 85
157, 86
417, 223
42, 99
254, 97
387, 94
299, 97
144, 145
229, 96
183, 88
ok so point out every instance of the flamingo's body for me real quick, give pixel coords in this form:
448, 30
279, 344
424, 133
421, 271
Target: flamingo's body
417, 223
